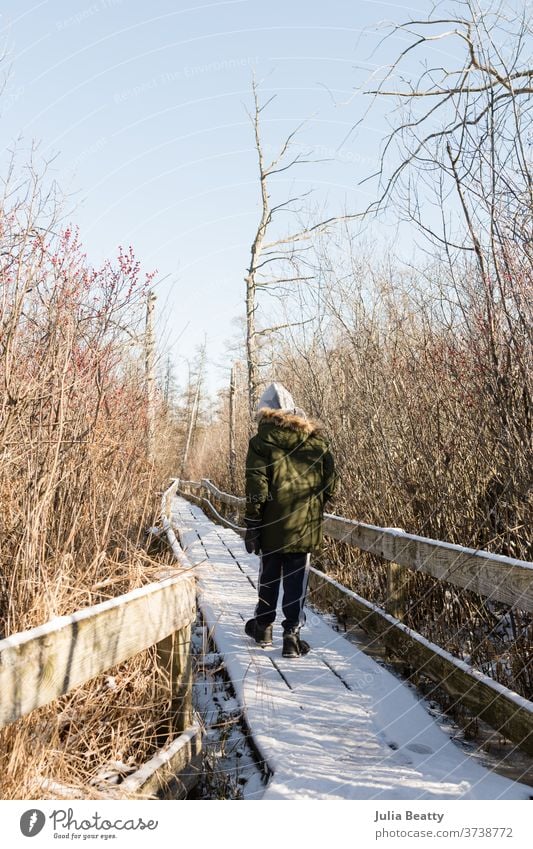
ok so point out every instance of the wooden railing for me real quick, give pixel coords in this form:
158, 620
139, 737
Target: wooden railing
499, 578
490, 575
46, 662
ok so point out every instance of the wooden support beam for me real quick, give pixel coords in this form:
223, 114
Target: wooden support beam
175, 680
397, 583
172, 772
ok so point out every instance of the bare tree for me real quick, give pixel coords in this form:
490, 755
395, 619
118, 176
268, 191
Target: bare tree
284, 254
232, 428
149, 372
466, 127
464, 142
193, 399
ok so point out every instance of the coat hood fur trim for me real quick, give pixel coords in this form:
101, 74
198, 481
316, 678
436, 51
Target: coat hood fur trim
287, 420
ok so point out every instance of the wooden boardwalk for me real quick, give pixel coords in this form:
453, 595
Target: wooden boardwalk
333, 724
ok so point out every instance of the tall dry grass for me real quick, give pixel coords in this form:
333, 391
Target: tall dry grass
76, 489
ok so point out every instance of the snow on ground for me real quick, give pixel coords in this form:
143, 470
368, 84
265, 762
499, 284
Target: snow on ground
333, 724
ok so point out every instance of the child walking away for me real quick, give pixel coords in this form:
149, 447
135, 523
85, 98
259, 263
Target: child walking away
290, 476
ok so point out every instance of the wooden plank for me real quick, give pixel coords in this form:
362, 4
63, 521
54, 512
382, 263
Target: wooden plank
172, 772
504, 710
491, 575
41, 664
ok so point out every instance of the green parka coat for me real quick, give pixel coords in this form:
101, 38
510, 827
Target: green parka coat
290, 474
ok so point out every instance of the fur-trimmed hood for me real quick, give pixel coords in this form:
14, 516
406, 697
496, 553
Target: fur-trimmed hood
290, 475
288, 421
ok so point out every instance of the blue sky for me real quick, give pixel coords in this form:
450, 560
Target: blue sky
145, 107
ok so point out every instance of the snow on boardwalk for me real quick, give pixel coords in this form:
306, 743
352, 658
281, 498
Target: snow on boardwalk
333, 724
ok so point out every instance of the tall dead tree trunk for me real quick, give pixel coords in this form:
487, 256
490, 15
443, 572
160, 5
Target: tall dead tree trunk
280, 252
251, 277
190, 429
193, 414
149, 366
232, 448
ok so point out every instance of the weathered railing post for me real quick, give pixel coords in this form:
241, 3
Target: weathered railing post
397, 583
174, 660
396, 605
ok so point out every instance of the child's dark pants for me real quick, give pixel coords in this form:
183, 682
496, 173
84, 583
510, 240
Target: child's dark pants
293, 569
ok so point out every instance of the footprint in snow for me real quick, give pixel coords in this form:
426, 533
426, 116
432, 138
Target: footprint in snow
419, 748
